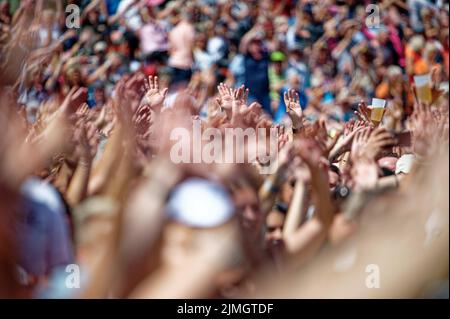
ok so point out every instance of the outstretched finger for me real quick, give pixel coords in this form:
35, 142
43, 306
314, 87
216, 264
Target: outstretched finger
156, 83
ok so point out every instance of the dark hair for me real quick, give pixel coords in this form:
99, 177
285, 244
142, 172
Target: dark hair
335, 169
281, 207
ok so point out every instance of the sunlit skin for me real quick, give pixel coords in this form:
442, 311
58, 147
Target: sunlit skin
333, 179
274, 226
92, 110
247, 205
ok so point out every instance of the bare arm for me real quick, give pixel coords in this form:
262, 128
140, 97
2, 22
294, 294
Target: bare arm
294, 215
78, 185
308, 239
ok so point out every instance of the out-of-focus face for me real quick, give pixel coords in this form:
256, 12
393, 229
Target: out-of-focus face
281, 27
99, 95
92, 16
75, 77
277, 66
323, 55
395, 79
294, 81
247, 206
255, 49
333, 179
47, 18
274, 225
201, 41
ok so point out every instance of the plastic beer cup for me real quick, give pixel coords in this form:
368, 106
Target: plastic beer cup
423, 89
377, 110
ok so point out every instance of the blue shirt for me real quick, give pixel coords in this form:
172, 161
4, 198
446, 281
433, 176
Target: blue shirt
257, 75
43, 231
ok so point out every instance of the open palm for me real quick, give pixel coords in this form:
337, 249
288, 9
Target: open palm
292, 101
155, 96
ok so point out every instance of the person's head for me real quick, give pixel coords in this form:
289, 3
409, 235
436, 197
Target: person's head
74, 77
293, 80
333, 176
277, 58
200, 41
430, 52
383, 36
394, 74
281, 25
220, 29
426, 14
47, 18
99, 95
417, 43
100, 49
296, 54
274, 225
323, 53
92, 17
247, 208
255, 48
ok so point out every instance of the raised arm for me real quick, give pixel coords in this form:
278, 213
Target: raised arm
309, 238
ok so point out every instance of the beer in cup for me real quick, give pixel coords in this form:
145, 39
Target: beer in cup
423, 89
377, 110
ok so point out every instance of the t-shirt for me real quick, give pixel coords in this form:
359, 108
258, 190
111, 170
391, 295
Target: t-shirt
111, 6
43, 230
257, 75
153, 38
181, 42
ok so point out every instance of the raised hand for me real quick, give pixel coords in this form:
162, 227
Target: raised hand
359, 142
364, 174
429, 131
363, 113
83, 148
142, 120
310, 152
293, 108
155, 96
239, 106
318, 132
74, 99
225, 99
370, 144
345, 144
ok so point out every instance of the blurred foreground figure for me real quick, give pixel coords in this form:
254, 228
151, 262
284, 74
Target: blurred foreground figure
223, 149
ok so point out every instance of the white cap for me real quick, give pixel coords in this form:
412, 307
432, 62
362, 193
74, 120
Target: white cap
404, 164
200, 203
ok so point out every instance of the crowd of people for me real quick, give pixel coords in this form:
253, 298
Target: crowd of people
92, 91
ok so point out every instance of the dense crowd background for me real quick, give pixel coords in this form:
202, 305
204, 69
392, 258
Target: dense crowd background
88, 104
